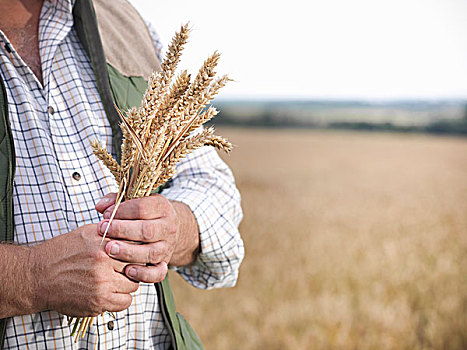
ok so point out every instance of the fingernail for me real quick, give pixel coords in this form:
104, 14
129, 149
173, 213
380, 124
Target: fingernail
104, 227
106, 215
103, 200
114, 249
132, 272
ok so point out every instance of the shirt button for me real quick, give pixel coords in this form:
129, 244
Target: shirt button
76, 176
51, 110
110, 325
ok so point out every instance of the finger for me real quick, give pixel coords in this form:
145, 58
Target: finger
124, 285
148, 231
105, 202
152, 253
145, 208
119, 302
147, 274
119, 266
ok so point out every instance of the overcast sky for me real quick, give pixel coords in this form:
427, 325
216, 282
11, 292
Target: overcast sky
325, 48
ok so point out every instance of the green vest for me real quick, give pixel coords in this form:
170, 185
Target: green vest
114, 86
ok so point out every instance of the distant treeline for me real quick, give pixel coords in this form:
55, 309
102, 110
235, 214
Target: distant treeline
234, 115
453, 127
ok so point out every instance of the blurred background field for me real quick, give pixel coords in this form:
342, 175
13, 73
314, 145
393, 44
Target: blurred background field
350, 119
354, 240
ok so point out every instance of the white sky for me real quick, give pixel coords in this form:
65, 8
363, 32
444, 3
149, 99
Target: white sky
325, 48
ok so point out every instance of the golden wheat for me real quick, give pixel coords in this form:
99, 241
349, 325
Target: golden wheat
353, 241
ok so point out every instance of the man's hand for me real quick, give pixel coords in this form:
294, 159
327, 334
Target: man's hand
149, 233
73, 275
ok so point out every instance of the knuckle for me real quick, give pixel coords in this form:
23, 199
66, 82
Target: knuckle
148, 231
162, 204
100, 278
99, 282
83, 234
126, 252
141, 209
172, 228
98, 304
167, 208
95, 278
93, 254
119, 229
153, 255
97, 256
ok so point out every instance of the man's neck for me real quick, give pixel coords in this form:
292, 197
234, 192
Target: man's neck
19, 20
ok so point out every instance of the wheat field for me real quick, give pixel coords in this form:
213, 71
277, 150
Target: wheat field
353, 241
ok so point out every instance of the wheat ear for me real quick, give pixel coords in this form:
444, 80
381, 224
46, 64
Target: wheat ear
107, 159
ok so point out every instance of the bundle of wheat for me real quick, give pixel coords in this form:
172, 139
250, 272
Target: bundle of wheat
159, 133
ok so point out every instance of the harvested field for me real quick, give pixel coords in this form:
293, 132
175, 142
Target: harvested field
353, 240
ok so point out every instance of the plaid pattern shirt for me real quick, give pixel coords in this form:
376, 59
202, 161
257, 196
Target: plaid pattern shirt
58, 180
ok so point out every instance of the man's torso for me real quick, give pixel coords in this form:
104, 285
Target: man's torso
58, 179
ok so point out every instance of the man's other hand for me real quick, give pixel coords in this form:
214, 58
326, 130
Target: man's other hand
143, 233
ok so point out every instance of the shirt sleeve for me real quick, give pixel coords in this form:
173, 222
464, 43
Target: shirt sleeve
206, 184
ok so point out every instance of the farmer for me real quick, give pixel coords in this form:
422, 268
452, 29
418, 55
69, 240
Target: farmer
61, 70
